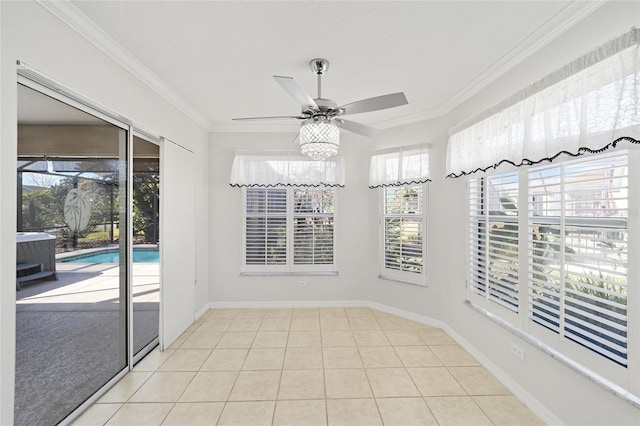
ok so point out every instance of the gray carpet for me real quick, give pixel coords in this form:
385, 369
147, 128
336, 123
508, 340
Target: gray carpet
65, 353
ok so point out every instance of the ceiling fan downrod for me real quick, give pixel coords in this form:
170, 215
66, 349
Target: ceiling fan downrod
319, 66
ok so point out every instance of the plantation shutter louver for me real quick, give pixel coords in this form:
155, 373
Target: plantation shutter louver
403, 228
578, 258
266, 226
313, 226
493, 222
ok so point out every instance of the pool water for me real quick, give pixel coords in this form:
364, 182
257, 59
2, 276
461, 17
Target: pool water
112, 256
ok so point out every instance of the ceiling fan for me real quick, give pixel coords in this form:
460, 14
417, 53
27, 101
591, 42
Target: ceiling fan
319, 134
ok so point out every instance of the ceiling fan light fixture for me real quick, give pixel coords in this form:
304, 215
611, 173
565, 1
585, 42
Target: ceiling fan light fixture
319, 139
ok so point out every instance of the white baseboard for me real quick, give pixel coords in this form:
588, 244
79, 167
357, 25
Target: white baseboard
529, 400
200, 312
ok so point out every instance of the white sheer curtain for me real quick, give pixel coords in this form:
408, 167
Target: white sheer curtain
590, 105
399, 166
268, 169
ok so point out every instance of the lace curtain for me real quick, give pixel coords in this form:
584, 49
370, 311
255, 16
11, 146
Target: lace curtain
269, 169
590, 105
400, 166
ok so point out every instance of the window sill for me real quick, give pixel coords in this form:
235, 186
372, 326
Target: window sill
403, 280
289, 274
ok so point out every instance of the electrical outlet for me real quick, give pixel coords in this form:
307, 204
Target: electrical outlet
517, 351
302, 283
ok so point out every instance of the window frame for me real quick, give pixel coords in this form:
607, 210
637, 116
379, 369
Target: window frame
391, 274
288, 267
574, 352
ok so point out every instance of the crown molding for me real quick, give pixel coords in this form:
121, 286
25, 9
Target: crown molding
79, 22
569, 16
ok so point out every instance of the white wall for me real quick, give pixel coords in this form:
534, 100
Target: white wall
31, 34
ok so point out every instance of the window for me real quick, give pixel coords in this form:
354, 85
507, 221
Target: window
574, 277
289, 230
403, 232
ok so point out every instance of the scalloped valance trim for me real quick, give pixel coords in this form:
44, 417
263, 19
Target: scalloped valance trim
527, 162
280, 185
413, 182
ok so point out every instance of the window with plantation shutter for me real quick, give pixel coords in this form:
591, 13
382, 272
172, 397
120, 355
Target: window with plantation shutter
403, 232
289, 230
578, 251
493, 221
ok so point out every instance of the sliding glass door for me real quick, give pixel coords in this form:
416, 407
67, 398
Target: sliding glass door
73, 252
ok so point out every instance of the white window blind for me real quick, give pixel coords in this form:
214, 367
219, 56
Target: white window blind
274, 169
403, 230
493, 222
589, 105
399, 166
578, 252
289, 230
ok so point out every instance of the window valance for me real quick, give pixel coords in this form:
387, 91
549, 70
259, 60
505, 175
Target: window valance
590, 105
269, 169
399, 166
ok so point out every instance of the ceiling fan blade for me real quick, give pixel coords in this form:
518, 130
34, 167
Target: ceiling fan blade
276, 117
375, 104
358, 128
296, 92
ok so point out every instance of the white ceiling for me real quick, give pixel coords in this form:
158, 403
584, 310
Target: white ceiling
217, 58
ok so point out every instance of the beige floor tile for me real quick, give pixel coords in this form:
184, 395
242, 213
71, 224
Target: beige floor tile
270, 339
435, 381
347, 383
202, 341
393, 323
163, 387
454, 356
301, 384
334, 323
352, 412
478, 381
337, 338
391, 382
279, 313
300, 413
264, 359
132, 414
417, 356
300, 324
403, 338
371, 338
186, 360
225, 360
405, 412
237, 340
213, 325
379, 357
252, 313
364, 323
305, 313
97, 415
245, 324
231, 313
304, 339
256, 386
275, 324
126, 387
153, 360
259, 413
453, 411
346, 357
332, 313
209, 386
435, 336
179, 341
358, 312
507, 410
303, 359
194, 414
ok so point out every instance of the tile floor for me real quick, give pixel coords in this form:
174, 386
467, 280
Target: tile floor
324, 366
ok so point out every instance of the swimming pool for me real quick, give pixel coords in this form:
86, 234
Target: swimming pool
113, 256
